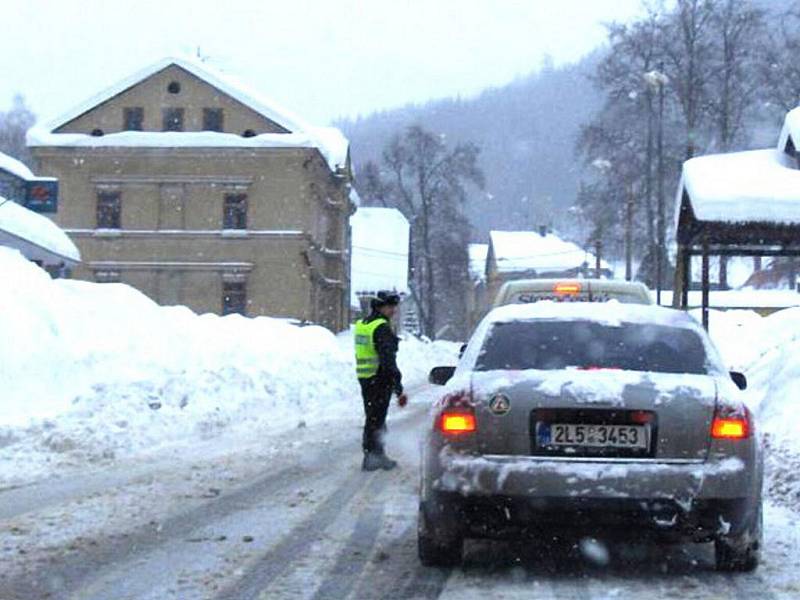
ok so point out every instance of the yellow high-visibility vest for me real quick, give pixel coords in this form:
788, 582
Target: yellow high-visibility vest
367, 361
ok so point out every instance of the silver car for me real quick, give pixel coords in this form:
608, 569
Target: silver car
599, 417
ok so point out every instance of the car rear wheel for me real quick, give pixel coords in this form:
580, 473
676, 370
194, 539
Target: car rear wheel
438, 544
741, 552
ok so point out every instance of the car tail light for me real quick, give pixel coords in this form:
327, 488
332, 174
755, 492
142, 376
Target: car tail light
731, 423
567, 288
457, 423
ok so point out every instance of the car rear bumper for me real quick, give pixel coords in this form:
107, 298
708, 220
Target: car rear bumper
514, 517
534, 477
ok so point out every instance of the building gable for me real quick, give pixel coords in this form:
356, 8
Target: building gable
171, 87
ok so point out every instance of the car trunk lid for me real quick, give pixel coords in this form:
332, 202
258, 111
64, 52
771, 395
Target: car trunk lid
513, 408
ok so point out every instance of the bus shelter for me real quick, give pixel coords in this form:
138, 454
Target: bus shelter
739, 204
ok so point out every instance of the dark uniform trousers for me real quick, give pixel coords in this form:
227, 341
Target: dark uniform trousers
377, 394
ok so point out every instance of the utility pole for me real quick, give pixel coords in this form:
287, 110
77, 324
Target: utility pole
661, 235
598, 267
629, 234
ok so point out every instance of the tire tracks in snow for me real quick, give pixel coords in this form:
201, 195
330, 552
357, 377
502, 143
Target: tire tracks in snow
77, 570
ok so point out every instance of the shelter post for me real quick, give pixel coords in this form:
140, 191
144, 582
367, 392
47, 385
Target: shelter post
706, 284
680, 278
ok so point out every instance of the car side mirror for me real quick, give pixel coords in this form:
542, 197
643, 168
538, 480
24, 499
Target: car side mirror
739, 379
441, 375
462, 350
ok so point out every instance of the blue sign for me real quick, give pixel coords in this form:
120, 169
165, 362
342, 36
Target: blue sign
41, 195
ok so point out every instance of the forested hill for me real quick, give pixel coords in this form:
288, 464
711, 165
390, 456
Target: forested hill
526, 131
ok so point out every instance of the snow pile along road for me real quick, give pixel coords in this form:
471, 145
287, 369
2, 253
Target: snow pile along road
94, 371
768, 351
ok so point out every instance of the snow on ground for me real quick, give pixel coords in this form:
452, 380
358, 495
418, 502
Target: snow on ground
767, 350
99, 371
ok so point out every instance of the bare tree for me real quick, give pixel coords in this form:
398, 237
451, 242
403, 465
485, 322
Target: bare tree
371, 187
429, 183
739, 30
14, 124
689, 52
779, 69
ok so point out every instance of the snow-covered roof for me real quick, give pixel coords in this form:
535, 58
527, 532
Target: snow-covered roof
328, 140
334, 154
791, 128
477, 261
380, 250
516, 251
743, 187
17, 223
11, 165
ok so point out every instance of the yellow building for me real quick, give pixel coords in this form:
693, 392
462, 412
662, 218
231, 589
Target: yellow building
193, 189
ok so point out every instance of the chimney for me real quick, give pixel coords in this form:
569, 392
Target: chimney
543, 230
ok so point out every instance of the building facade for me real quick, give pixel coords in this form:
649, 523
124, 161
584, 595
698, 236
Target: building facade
197, 192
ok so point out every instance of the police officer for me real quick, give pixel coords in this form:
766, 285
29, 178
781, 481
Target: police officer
376, 367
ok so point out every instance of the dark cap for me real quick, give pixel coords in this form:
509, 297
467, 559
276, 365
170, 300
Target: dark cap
385, 299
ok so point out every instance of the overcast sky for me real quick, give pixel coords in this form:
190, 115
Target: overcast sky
321, 58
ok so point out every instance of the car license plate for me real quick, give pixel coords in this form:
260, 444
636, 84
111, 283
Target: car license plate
600, 436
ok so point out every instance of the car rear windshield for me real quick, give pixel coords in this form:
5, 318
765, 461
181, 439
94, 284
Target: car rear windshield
551, 345
600, 296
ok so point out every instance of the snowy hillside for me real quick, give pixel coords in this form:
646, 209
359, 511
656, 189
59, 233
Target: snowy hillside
98, 371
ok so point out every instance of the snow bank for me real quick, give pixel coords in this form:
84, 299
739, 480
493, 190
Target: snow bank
100, 371
767, 349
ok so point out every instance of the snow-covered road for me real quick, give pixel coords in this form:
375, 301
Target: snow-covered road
293, 517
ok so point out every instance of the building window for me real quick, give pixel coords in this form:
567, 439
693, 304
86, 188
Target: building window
133, 118
234, 297
174, 87
212, 119
109, 209
104, 276
235, 212
173, 119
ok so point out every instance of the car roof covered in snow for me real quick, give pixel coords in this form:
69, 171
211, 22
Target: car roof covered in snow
611, 312
757, 186
328, 140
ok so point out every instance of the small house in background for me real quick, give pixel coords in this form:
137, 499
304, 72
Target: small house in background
379, 260
740, 204
536, 255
